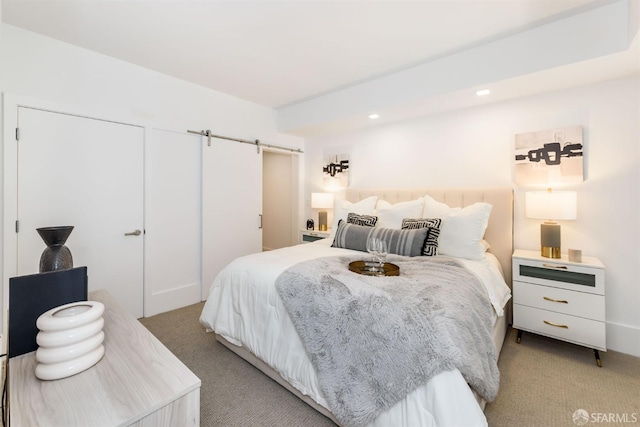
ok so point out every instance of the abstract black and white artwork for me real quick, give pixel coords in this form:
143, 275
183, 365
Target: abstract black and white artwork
336, 171
549, 157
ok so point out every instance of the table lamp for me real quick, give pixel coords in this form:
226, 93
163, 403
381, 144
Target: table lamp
551, 206
322, 201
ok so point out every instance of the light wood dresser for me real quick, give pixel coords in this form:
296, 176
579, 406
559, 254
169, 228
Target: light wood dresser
138, 382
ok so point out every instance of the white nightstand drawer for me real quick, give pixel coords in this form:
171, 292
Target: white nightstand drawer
573, 303
590, 333
311, 238
559, 273
307, 236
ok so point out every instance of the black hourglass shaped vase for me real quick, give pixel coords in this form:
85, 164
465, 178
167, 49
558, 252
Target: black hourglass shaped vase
56, 256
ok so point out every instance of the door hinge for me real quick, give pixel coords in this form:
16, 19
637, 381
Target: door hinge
17, 226
17, 134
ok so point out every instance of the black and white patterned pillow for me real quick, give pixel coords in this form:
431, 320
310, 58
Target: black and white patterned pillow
433, 225
365, 220
399, 242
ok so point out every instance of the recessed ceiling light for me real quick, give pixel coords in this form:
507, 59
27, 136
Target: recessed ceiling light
483, 92
374, 116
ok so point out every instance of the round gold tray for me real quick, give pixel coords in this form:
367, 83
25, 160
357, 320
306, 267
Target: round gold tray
365, 267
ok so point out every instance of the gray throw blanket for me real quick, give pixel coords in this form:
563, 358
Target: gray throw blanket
373, 340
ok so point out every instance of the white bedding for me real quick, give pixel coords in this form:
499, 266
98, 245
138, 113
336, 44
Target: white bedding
244, 308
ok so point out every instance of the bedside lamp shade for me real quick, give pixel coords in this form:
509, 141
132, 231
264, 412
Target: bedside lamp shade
322, 201
551, 206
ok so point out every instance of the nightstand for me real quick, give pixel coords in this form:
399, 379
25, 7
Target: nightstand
307, 236
560, 299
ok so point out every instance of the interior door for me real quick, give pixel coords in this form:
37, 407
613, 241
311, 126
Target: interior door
87, 173
173, 221
231, 205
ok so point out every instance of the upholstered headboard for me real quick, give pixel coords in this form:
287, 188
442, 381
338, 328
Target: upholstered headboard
499, 232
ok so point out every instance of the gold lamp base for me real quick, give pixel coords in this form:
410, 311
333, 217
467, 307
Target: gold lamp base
550, 252
550, 239
322, 220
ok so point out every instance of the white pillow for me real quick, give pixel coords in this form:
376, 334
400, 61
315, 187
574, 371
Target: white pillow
462, 229
341, 209
391, 216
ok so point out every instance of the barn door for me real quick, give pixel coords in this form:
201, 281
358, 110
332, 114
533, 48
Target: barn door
173, 213
231, 205
88, 173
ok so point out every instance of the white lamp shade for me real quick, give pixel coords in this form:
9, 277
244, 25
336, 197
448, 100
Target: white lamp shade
551, 205
322, 200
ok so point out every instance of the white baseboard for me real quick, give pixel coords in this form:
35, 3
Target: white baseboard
623, 338
182, 296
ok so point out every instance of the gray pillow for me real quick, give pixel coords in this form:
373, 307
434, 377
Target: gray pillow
433, 225
399, 242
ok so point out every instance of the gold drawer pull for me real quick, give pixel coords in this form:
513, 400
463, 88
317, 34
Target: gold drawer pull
555, 324
556, 300
562, 267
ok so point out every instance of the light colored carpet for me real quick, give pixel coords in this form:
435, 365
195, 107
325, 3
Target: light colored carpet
543, 382
233, 393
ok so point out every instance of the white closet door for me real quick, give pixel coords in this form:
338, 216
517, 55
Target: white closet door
173, 224
231, 205
87, 173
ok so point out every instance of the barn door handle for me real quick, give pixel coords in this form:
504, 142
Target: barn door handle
134, 233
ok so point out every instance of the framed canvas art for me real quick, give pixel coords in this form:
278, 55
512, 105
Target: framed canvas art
336, 171
549, 157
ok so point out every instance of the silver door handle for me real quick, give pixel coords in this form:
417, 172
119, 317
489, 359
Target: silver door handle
134, 233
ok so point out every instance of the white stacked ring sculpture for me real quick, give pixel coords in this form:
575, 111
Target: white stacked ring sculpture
70, 339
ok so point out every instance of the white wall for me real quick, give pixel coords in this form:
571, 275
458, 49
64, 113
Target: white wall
474, 147
45, 69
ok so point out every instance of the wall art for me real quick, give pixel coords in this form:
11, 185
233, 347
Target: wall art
336, 171
550, 157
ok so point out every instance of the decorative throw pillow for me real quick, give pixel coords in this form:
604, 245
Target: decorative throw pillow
462, 229
390, 216
366, 220
341, 209
431, 224
399, 242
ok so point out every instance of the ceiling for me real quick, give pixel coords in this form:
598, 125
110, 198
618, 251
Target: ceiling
278, 53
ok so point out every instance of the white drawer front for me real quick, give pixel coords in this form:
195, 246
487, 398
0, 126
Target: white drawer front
557, 274
589, 333
580, 304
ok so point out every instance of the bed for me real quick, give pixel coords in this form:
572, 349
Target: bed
248, 315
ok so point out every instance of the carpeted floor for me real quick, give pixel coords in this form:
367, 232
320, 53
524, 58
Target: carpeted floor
543, 382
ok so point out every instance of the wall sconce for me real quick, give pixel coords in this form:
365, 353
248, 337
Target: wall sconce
322, 201
558, 205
